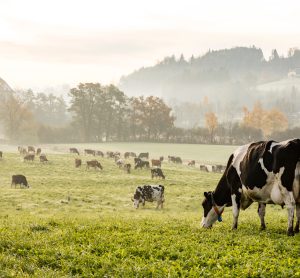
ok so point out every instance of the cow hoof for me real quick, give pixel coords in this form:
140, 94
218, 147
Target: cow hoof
290, 233
262, 228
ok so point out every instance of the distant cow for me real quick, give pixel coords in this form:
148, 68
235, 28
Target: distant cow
171, 158
43, 158
99, 153
142, 164
20, 180
38, 151
129, 154
88, 151
31, 149
120, 163
155, 162
219, 168
137, 160
144, 155
191, 163
149, 193
157, 172
74, 150
161, 158
203, 168
178, 160
29, 157
110, 154
127, 167
78, 162
94, 164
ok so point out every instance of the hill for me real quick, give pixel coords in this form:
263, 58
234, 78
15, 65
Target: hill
227, 72
5, 89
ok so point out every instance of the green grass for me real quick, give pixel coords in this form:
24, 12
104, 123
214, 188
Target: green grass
73, 222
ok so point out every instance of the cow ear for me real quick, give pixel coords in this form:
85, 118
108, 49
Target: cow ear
206, 194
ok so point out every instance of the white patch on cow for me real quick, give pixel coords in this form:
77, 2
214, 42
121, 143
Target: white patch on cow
238, 156
240, 190
261, 162
211, 217
273, 145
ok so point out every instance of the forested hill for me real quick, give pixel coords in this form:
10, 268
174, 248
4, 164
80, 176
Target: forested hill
217, 72
4, 88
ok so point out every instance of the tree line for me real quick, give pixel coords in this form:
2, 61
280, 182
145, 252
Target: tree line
97, 113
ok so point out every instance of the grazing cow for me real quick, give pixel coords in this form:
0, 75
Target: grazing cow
88, 151
94, 164
38, 151
266, 172
31, 149
127, 167
29, 157
144, 155
99, 153
78, 162
43, 158
218, 168
142, 164
178, 160
156, 162
203, 168
129, 154
137, 160
171, 158
19, 179
74, 150
149, 193
157, 172
120, 163
110, 154
191, 163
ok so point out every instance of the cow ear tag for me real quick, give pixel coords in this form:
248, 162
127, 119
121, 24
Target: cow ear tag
220, 218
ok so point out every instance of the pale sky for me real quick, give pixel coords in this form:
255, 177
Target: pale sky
45, 43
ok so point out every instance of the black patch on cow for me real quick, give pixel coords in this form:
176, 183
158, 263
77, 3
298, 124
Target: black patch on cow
252, 174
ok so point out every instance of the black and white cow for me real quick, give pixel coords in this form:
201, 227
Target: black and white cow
266, 172
149, 193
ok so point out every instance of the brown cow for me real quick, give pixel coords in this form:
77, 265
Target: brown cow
156, 162
94, 164
191, 163
78, 162
29, 157
88, 151
74, 150
127, 168
43, 158
38, 151
31, 149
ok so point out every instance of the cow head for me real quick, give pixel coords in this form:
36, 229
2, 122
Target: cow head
138, 198
212, 212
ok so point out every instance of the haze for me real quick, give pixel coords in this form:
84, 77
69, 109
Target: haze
43, 43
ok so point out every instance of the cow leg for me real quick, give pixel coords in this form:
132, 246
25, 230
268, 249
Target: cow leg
298, 218
261, 213
235, 208
290, 203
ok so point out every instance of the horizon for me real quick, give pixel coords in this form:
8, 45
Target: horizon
48, 44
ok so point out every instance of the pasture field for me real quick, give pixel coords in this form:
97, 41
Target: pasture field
79, 223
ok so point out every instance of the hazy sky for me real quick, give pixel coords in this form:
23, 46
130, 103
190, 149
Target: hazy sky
45, 43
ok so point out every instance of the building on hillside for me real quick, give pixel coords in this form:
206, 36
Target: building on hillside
294, 73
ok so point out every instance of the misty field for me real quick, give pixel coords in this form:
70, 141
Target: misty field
78, 222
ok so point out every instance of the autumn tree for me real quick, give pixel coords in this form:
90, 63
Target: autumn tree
268, 121
83, 106
17, 119
211, 121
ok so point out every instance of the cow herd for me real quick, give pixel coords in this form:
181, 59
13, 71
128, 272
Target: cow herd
266, 172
